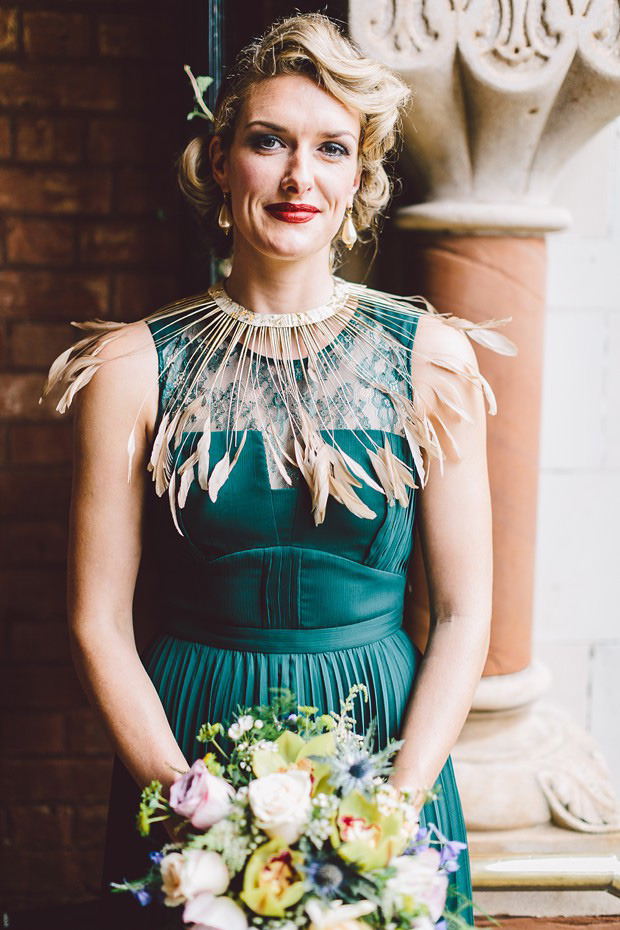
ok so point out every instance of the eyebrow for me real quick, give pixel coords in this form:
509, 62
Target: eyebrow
276, 128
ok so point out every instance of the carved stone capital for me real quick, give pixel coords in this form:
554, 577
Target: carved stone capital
504, 92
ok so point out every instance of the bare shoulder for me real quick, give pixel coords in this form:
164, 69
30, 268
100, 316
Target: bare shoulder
441, 354
125, 381
436, 337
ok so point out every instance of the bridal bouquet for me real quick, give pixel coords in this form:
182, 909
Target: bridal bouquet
295, 827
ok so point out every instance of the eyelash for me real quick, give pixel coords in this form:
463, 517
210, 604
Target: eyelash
258, 143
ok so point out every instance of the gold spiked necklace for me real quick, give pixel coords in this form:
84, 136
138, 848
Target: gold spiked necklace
344, 365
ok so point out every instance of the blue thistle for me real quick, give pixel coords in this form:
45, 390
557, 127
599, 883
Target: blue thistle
324, 875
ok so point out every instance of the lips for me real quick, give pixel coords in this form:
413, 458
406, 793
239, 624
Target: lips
292, 212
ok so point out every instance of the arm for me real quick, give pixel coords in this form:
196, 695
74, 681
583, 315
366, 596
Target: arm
104, 554
456, 539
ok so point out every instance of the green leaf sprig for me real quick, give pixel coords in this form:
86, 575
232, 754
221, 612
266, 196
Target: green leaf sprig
199, 83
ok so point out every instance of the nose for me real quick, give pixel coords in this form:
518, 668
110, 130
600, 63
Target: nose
298, 177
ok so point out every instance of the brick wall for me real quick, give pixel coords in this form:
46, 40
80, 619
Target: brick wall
92, 101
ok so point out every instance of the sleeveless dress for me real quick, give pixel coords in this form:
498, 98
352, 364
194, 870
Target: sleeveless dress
256, 595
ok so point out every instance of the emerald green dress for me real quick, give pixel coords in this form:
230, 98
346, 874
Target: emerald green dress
256, 595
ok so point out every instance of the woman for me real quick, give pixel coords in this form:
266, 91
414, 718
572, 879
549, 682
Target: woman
287, 443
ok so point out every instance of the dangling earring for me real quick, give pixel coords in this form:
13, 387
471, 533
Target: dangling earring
348, 233
224, 219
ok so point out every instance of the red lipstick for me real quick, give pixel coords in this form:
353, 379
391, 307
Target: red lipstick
292, 212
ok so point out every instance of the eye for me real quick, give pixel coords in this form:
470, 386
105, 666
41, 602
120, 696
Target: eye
334, 149
266, 141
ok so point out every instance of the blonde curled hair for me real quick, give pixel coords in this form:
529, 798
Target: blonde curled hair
308, 44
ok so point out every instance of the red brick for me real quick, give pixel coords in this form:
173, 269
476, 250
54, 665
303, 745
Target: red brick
4, 346
48, 85
33, 733
19, 397
48, 34
4, 822
137, 295
49, 687
49, 139
41, 443
81, 781
54, 190
39, 242
36, 345
148, 242
60, 869
33, 542
38, 642
113, 141
121, 35
35, 593
57, 295
41, 826
34, 492
119, 242
91, 864
9, 31
132, 191
89, 826
85, 735
5, 137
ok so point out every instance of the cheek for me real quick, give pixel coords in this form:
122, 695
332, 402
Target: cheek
336, 184
252, 178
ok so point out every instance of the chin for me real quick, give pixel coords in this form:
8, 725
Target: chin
290, 247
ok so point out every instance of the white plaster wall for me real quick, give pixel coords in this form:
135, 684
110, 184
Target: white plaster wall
577, 593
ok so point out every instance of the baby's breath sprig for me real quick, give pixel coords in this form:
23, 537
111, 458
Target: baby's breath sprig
343, 721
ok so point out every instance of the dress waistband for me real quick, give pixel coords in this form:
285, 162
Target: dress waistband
325, 639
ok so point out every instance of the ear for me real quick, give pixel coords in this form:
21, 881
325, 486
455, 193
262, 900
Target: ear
356, 183
219, 162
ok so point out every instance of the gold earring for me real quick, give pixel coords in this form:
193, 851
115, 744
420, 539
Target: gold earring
224, 218
348, 233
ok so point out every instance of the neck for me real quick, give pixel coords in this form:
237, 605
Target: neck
278, 286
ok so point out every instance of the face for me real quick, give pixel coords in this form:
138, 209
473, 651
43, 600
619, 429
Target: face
291, 169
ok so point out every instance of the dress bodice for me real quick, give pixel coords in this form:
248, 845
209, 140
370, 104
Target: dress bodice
286, 470
255, 555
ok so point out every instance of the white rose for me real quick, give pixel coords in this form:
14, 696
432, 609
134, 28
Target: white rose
190, 873
338, 916
215, 913
423, 923
281, 803
418, 877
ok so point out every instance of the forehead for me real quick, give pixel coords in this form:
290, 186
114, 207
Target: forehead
297, 103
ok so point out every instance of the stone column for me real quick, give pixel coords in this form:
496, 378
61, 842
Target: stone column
504, 93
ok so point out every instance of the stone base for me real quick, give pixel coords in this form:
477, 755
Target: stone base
539, 840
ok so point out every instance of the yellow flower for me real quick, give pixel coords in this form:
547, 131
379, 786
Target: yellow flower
272, 880
291, 751
366, 836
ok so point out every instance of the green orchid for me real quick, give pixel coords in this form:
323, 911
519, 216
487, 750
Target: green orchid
292, 751
272, 880
365, 836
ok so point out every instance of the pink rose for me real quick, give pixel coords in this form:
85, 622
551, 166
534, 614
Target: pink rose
201, 797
